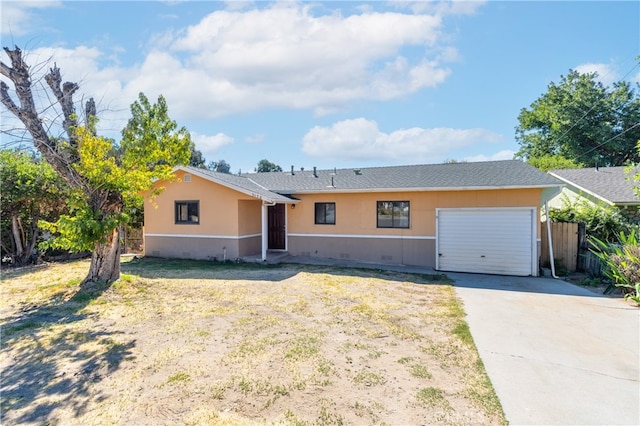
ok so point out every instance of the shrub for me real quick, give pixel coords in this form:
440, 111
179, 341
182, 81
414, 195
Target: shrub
601, 221
621, 263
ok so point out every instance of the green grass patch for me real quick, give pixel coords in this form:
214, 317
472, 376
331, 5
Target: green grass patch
14, 329
303, 347
432, 397
461, 330
420, 371
179, 377
369, 378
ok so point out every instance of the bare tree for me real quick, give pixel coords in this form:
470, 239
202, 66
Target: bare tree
61, 153
110, 177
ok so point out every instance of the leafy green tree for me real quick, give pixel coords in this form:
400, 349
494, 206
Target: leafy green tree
196, 159
582, 120
219, 166
634, 172
105, 180
553, 162
31, 191
265, 166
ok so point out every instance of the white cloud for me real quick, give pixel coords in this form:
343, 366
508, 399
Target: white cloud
454, 7
16, 17
505, 154
607, 75
284, 56
259, 138
635, 78
210, 145
361, 139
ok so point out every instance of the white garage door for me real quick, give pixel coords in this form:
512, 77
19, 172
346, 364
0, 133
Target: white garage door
489, 241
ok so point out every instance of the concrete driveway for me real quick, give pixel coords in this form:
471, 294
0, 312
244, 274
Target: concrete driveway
556, 353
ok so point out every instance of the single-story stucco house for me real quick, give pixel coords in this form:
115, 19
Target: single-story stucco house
470, 217
610, 186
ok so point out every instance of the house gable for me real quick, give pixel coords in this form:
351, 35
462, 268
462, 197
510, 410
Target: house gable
611, 185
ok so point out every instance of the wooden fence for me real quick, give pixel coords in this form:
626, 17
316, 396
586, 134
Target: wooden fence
565, 245
570, 247
131, 240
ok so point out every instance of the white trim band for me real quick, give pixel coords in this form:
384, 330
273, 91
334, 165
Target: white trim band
224, 237
389, 237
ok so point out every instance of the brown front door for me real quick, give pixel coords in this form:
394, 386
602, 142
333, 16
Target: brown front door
276, 227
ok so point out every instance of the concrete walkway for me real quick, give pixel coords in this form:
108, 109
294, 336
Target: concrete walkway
557, 354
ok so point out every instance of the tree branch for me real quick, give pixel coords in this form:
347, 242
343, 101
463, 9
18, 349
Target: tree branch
19, 75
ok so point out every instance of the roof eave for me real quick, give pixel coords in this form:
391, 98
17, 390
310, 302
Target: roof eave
425, 189
245, 191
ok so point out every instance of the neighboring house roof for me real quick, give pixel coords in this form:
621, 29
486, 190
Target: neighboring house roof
609, 184
273, 186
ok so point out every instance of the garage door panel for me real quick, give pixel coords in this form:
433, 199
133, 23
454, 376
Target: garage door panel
495, 241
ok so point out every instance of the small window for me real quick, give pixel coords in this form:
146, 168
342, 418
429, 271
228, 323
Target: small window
393, 214
188, 212
325, 213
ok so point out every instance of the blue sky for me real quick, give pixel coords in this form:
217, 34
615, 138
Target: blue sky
328, 84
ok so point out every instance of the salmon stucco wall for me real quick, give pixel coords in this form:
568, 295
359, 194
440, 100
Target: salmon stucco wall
356, 212
355, 234
229, 222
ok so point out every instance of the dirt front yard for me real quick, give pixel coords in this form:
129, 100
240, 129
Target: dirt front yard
178, 342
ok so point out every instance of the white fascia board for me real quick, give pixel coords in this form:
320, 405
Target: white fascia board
240, 189
581, 189
426, 189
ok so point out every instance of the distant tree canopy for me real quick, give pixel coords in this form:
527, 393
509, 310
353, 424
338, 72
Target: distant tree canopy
220, 166
553, 162
197, 160
583, 121
265, 166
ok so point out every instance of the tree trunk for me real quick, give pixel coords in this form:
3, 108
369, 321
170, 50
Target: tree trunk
105, 260
34, 238
17, 236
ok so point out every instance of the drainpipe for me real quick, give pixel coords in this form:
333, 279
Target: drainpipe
551, 259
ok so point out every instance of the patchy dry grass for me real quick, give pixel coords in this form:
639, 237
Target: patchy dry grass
184, 342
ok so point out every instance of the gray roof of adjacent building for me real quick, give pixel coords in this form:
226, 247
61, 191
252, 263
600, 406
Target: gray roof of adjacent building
610, 184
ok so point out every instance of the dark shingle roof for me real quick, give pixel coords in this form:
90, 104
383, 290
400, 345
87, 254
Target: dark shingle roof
611, 184
239, 183
274, 186
481, 175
